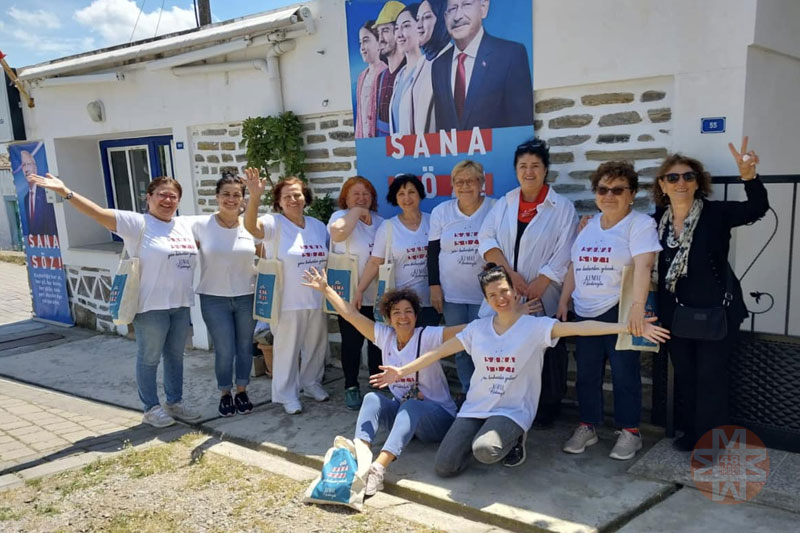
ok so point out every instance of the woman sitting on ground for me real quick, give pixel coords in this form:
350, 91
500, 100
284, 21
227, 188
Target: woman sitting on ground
508, 350
405, 415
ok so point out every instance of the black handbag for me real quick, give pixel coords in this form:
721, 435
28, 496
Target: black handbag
704, 323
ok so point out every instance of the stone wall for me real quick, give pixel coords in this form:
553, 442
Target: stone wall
329, 146
587, 125
88, 289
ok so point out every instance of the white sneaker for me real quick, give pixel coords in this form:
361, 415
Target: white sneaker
179, 410
627, 445
293, 407
582, 437
317, 392
374, 479
157, 417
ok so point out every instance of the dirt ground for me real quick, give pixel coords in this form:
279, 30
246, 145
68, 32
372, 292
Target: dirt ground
173, 488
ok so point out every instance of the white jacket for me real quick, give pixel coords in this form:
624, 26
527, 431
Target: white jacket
545, 245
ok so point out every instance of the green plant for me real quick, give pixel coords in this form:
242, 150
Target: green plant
322, 207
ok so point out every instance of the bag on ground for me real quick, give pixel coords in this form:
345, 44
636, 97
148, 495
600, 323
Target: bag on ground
342, 276
123, 300
269, 283
343, 479
626, 341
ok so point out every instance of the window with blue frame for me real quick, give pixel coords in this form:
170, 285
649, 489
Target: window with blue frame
129, 165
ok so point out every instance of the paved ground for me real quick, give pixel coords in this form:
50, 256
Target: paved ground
15, 304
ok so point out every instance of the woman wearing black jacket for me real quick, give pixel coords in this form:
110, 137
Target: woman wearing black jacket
693, 271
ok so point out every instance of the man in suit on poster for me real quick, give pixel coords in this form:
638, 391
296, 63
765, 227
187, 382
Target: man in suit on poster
483, 80
40, 219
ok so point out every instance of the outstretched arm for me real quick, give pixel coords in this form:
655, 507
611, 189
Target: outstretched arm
255, 187
391, 374
103, 216
315, 279
591, 328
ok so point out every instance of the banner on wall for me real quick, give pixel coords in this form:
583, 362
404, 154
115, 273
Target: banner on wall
42, 245
437, 82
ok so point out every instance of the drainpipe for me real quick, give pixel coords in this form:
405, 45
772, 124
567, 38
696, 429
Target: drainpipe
274, 68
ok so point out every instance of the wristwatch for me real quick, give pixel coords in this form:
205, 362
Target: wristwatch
69, 195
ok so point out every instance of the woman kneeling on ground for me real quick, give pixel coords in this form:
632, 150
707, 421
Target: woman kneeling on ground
508, 350
420, 405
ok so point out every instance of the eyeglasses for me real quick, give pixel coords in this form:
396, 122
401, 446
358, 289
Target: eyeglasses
602, 190
674, 177
458, 184
167, 196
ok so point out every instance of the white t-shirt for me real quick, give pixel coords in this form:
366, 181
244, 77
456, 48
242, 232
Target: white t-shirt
167, 258
227, 258
508, 368
361, 240
432, 382
300, 249
459, 260
598, 257
409, 255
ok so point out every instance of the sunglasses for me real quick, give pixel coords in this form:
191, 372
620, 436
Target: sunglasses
535, 143
489, 271
688, 177
602, 190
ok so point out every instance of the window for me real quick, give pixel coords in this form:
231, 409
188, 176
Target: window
130, 164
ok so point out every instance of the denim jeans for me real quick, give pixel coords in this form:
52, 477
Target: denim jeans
455, 314
160, 332
591, 354
488, 440
428, 421
230, 323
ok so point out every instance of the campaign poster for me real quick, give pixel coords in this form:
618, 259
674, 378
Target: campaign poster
436, 82
40, 235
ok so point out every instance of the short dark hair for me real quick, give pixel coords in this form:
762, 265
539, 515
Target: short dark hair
703, 177
229, 178
614, 170
491, 273
292, 180
165, 180
394, 297
536, 147
398, 184
370, 27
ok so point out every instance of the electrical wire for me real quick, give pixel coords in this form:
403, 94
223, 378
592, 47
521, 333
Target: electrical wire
141, 8
158, 22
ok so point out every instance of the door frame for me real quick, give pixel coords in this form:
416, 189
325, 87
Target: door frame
152, 144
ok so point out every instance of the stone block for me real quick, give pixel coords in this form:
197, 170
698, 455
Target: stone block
220, 131
652, 96
308, 126
568, 188
207, 192
242, 144
321, 153
341, 135
201, 201
581, 174
553, 104
560, 158
610, 155
617, 119
648, 172
311, 139
240, 158
199, 158
204, 170
327, 167
228, 145
212, 159
570, 121
607, 98
613, 138
552, 175
328, 124
208, 183
537, 125
235, 133
347, 122
319, 181
665, 132
663, 114
227, 158
645, 138
568, 140
344, 152
232, 170
206, 145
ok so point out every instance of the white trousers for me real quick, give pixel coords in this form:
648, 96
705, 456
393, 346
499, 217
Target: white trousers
299, 335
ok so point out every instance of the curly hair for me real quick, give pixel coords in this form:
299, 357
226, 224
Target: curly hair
292, 180
614, 170
352, 182
394, 297
703, 177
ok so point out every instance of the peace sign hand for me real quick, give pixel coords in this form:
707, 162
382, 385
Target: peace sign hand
746, 161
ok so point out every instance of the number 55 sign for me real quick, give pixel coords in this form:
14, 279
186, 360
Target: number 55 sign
712, 125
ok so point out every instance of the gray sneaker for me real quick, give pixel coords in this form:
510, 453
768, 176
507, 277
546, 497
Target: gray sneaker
627, 445
157, 418
179, 410
582, 437
374, 479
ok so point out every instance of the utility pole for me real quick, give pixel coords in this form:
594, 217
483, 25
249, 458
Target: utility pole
204, 12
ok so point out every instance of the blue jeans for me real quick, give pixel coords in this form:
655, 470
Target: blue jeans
230, 322
160, 332
428, 421
455, 314
590, 355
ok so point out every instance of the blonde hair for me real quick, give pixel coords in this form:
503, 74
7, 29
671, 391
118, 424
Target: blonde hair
468, 165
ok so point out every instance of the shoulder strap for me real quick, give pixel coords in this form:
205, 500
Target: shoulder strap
139, 243
419, 346
388, 252
276, 243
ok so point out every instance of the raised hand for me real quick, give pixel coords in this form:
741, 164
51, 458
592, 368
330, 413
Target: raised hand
315, 279
51, 182
389, 375
654, 333
256, 185
746, 161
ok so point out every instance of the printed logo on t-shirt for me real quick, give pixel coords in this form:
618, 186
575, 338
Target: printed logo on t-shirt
416, 263
499, 371
465, 244
183, 249
593, 262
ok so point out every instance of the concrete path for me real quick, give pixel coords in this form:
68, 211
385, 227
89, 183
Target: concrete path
15, 304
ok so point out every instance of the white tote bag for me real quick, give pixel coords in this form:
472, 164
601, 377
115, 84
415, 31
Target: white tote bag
343, 479
342, 276
385, 274
269, 282
626, 341
123, 300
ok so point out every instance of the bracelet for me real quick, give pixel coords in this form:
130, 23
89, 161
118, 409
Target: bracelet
750, 179
69, 195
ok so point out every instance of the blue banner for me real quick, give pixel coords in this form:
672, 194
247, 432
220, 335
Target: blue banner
437, 82
42, 246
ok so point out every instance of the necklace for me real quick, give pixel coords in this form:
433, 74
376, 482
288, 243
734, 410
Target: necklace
225, 224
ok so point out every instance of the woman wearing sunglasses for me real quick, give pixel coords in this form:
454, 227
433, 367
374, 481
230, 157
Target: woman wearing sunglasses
615, 238
693, 272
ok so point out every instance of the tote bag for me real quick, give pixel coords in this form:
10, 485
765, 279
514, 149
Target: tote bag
385, 274
626, 341
123, 300
269, 283
343, 479
342, 276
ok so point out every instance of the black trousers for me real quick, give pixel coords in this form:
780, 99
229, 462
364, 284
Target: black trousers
352, 341
701, 382
554, 383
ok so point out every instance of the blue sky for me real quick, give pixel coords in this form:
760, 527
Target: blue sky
33, 31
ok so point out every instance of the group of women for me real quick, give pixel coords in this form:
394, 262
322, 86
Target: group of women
503, 272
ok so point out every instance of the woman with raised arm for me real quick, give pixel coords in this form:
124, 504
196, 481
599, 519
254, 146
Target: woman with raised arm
508, 350
353, 227
301, 334
167, 256
405, 415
